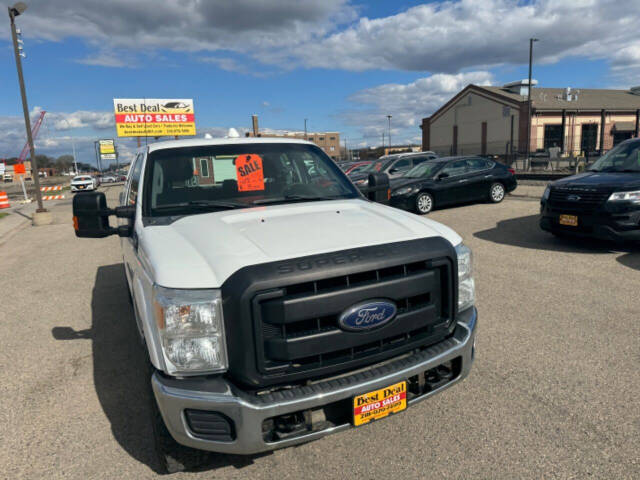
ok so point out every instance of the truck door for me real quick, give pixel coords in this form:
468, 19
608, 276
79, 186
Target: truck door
130, 197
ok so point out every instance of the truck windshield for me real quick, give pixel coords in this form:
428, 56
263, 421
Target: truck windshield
623, 158
216, 177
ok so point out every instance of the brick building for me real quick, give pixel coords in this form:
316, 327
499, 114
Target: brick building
493, 120
329, 142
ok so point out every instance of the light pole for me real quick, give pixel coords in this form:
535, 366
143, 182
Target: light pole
305, 128
530, 87
73, 148
389, 118
16, 10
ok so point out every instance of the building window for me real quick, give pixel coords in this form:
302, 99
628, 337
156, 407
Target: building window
619, 137
589, 137
321, 139
311, 139
552, 136
204, 168
332, 138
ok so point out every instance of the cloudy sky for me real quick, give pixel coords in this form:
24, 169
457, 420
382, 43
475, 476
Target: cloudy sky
343, 64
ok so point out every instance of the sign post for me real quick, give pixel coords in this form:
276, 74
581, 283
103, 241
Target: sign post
107, 151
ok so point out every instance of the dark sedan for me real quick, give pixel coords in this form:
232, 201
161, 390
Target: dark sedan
449, 181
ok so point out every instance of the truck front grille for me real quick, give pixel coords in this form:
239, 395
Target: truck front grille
296, 326
576, 199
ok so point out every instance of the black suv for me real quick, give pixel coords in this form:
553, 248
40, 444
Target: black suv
603, 202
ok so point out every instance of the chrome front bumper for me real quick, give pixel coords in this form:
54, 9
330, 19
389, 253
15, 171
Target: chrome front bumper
248, 412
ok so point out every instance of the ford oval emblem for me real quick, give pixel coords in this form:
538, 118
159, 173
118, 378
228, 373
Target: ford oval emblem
367, 315
573, 198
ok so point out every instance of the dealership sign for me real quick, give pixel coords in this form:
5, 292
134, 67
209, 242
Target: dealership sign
154, 117
107, 149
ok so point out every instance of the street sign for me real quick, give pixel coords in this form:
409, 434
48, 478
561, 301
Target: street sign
154, 117
107, 149
19, 168
2, 168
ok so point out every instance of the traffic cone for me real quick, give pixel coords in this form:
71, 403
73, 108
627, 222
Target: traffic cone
4, 200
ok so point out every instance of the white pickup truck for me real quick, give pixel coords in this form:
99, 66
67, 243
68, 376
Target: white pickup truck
276, 303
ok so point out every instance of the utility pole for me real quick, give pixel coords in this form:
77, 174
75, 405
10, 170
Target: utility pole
305, 128
15, 11
383, 140
389, 118
528, 160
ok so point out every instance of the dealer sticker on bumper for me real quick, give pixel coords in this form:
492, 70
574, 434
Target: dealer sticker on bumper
379, 403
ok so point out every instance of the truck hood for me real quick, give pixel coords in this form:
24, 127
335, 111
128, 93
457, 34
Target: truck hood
202, 251
604, 180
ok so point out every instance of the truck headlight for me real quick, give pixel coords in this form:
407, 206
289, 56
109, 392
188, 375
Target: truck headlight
625, 197
545, 195
466, 285
191, 330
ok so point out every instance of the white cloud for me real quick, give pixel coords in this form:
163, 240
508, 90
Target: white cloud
184, 25
407, 103
99, 120
106, 59
450, 36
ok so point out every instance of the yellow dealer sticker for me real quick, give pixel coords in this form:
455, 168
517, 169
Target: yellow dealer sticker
380, 403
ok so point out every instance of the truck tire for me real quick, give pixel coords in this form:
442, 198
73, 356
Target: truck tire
173, 457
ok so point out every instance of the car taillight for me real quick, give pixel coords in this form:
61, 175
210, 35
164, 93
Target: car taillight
512, 171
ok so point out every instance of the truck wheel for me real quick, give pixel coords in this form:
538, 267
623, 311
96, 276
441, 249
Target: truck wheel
496, 193
172, 456
424, 203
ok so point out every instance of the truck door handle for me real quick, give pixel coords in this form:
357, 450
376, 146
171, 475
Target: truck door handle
488, 176
463, 180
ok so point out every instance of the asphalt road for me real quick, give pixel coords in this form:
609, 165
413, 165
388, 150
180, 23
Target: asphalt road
554, 392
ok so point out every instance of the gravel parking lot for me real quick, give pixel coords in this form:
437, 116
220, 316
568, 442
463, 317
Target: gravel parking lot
554, 392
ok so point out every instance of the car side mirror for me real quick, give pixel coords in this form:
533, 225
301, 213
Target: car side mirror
442, 175
91, 216
393, 170
378, 188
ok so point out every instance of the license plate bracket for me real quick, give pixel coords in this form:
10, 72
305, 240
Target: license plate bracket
568, 220
379, 403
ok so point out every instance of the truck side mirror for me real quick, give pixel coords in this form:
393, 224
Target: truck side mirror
91, 216
442, 175
378, 190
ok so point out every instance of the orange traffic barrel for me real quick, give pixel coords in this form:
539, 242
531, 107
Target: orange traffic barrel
4, 200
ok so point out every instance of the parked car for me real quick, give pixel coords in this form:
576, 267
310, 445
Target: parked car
83, 183
108, 179
393, 165
603, 202
269, 327
356, 167
7, 178
451, 180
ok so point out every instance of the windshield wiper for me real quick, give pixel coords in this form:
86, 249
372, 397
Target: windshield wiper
295, 198
202, 205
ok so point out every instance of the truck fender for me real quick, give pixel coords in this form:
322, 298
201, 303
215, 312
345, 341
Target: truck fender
143, 310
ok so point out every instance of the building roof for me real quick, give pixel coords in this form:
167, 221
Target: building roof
587, 98
198, 142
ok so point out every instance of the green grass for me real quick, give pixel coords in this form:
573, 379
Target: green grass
3, 214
